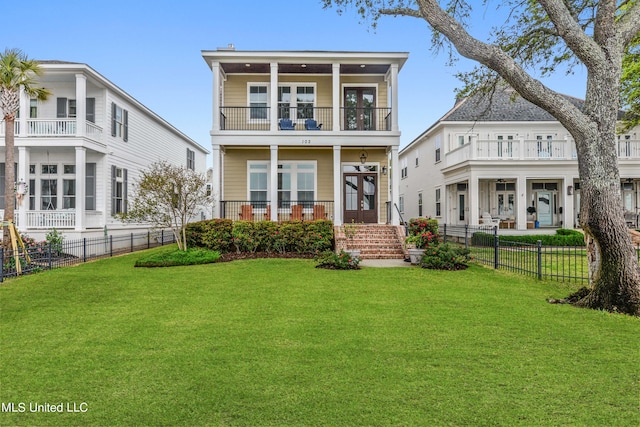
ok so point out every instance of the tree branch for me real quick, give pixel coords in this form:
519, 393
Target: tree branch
629, 24
401, 11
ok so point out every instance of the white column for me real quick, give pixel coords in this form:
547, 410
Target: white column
81, 105
337, 185
215, 119
81, 177
273, 179
473, 203
216, 185
274, 97
335, 101
395, 185
521, 203
567, 208
24, 114
394, 98
23, 175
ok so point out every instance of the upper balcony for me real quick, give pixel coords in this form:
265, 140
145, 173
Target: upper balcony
276, 92
305, 119
524, 149
48, 128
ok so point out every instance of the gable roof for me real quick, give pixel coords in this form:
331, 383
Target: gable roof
499, 107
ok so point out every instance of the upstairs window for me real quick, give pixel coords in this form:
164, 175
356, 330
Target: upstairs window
258, 102
191, 159
119, 122
305, 101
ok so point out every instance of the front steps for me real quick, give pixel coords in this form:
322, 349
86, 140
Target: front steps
374, 241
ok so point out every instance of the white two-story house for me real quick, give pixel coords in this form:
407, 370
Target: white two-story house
509, 161
305, 134
80, 151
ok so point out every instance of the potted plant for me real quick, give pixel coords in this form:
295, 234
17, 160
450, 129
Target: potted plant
415, 248
531, 210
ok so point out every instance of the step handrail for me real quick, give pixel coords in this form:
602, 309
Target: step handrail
402, 221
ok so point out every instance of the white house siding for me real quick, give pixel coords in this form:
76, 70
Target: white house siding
150, 139
521, 169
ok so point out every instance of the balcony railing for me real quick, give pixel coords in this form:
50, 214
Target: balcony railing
55, 128
247, 210
259, 118
522, 149
58, 219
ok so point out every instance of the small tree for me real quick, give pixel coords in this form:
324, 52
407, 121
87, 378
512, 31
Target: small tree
168, 196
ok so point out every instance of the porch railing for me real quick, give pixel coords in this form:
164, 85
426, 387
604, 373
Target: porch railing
305, 210
521, 149
55, 127
351, 119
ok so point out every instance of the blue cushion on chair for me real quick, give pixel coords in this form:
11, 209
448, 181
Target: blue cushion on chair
311, 124
286, 124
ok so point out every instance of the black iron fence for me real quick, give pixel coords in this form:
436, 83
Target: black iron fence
288, 210
46, 256
559, 263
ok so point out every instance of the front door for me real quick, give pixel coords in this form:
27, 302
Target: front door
360, 108
545, 208
360, 198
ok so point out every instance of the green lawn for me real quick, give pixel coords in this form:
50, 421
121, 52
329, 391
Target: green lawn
277, 342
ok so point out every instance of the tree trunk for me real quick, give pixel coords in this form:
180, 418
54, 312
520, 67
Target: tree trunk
9, 178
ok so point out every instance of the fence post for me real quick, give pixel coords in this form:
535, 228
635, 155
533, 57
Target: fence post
84, 249
49, 255
1, 264
148, 239
539, 259
162, 237
466, 236
131, 242
496, 249
110, 245
445, 233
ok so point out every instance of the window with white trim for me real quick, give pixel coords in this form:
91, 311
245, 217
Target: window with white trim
420, 204
403, 168
119, 122
438, 202
438, 145
258, 101
118, 190
296, 184
191, 159
258, 183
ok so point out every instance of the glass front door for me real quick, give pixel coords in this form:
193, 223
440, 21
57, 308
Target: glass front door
545, 207
360, 198
359, 108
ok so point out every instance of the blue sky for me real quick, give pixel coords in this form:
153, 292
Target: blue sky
152, 50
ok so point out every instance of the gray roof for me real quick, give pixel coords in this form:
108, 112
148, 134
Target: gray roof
499, 107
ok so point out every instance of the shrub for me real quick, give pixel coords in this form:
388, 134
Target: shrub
563, 237
243, 237
212, 234
337, 261
420, 226
445, 257
54, 239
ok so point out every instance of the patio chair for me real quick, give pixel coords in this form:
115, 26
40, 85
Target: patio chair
296, 213
246, 213
286, 124
311, 124
319, 213
488, 219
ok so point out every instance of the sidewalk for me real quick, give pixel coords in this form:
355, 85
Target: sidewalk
384, 263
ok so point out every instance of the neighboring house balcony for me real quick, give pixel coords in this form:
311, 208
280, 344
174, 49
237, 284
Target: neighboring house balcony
57, 128
529, 149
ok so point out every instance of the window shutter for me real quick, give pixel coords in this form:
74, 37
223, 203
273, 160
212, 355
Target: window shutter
91, 110
61, 108
125, 199
113, 119
113, 190
125, 120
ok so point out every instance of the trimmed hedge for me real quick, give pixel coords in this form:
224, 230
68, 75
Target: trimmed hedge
224, 235
563, 237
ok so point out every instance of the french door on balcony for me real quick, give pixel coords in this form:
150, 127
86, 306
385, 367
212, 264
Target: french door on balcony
360, 108
360, 197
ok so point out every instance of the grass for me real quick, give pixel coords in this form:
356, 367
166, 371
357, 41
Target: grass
279, 342
170, 256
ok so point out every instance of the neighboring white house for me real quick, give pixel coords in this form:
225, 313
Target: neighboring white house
503, 160
305, 134
80, 151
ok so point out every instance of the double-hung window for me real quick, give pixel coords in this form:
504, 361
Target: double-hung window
119, 122
438, 202
258, 102
258, 184
284, 102
305, 101
118, 190
296, 184
191, 159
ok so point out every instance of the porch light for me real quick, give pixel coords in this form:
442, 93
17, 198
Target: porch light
570, 190
363, 156
384, 170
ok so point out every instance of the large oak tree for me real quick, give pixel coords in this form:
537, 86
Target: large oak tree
537, 38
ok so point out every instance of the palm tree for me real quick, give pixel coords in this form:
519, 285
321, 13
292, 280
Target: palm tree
17, 73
